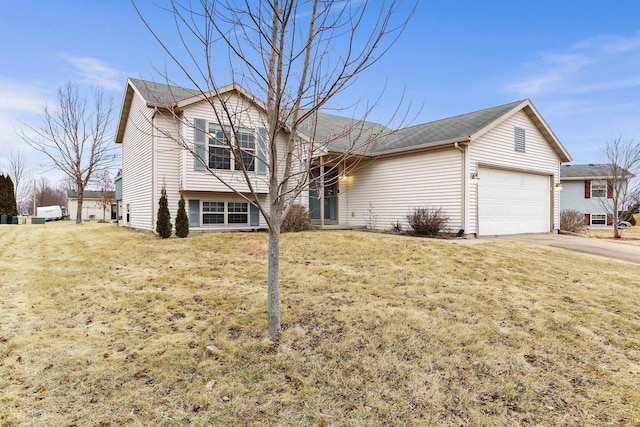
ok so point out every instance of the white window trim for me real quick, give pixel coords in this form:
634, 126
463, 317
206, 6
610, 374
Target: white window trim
225, 213
606, 189
599, 214
232, 161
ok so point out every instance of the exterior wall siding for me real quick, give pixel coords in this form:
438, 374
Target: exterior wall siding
572, 197
386, 190
167, 164
89, 207
496, 148
248, 117
137, 166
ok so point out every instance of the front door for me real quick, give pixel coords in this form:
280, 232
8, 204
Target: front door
330, 196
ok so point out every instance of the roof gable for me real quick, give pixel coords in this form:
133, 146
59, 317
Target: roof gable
349, 134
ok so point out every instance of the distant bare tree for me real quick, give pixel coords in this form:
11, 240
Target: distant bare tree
21, 176
296, 56
75, 138
107, 194
623, 159
46, 194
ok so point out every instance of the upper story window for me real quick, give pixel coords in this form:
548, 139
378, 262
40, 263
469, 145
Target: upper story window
211, 148
519, 139
220, 152
598, 189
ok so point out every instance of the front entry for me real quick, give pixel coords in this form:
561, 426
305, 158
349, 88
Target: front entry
330, 196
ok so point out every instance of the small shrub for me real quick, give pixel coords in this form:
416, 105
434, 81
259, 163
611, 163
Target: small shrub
163, 223
572, 221
182, 220
427, 221
297, 219
396, 227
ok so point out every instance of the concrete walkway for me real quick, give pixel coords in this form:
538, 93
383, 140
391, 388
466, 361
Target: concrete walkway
592, 246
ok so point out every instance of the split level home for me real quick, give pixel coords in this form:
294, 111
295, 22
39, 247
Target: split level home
589, 189
494, 171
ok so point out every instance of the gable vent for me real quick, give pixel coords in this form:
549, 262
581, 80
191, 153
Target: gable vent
519, 139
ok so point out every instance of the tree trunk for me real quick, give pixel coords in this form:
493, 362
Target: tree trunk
273, 282
79, 210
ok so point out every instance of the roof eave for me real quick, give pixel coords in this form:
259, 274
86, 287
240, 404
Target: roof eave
422, 147
125, 108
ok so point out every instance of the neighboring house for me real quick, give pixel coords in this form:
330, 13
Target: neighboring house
117, 182
588, 189
493, 171
90, 206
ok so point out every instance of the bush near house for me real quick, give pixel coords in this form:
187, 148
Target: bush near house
572, 221
427, 221
297, 219
182, 220
163, 224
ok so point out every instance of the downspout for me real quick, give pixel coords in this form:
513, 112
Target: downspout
465, 188
153, 169
321, 190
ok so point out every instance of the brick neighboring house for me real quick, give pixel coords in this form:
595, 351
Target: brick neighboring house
589, 189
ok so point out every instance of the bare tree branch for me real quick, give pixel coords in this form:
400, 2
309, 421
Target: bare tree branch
623, 164
296, 56
74, 138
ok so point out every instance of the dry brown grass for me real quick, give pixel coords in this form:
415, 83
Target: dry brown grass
107, 326
630, 235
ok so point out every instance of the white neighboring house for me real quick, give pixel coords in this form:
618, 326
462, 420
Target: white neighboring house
90, 206
493, 171
588, 189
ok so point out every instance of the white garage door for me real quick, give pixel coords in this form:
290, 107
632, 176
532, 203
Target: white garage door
513, 202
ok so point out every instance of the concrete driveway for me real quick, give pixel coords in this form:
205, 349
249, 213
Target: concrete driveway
585, 245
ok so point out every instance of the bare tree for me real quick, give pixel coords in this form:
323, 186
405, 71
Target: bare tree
623, 163
75, 138
45, 194
21, 176
107, 194
296, 56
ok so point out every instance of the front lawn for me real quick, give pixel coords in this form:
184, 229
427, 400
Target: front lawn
101, 326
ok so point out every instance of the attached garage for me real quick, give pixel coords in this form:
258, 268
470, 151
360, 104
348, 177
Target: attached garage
512, 202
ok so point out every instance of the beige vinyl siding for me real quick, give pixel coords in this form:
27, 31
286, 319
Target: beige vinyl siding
385, 190
89, 207
167, 163
250, 117
137, 165
496, 149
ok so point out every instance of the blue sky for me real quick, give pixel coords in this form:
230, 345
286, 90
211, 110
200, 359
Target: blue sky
578, 61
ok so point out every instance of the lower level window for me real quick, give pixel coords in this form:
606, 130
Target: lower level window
225, 213
598, 219
238, 213
213, 212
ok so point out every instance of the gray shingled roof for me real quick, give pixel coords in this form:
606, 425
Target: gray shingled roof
343, 133
459, 127
351, 134
161, 94
601, 170
452, 128
88, 194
